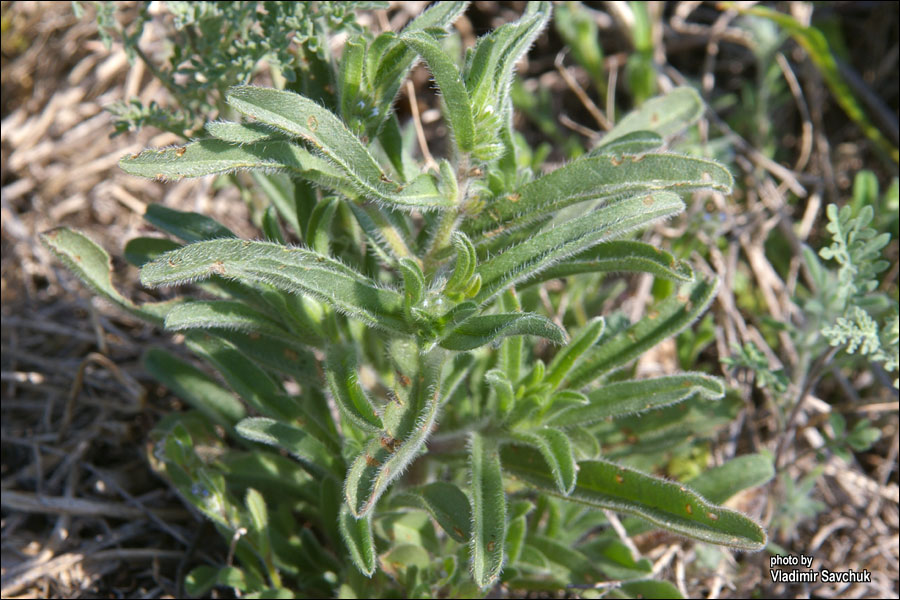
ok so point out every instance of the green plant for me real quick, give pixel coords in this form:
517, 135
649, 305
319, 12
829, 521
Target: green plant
215, 45
378, 337
857, 249
842, 312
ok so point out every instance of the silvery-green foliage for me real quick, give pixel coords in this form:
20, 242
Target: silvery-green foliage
856, 248
447, 433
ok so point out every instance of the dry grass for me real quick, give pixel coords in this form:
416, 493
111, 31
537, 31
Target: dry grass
84, 515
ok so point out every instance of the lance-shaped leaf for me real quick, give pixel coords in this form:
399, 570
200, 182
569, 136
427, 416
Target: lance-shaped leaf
630, 397
270, 226
456, 374
248, 380
743, 472
477, 331
636, 142
141, 250
256, 387
503, 388
351, 80
413, 281
348, 394
490, 73
223, 314
357, 536
92, 265
664, 115
293, 270
456, 315
649, 433
515, 538
387, 239
488, 510
446, 503
554, 446
189, 226
407, 426
287, 196
610, 554
324, 131
389, 60
276, 353
448, 79
619, 256
211, 157
650, 588
516, 530
259, 512
243, 133
194, 386
567, 357
538, 253
584, 443
318, 229
563, 400
511, 347
575, 566
602, 178
465, 264
312, 453
666, 319
666, 504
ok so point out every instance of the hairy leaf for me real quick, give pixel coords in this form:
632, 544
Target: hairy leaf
446, 503
447, 77
666, 504
604, 178
491, 71
554, 446
92, 265
413, 282
312, 453
325, 132
636, 142
293, 270
406, 427
352, 400
465, 264
389, 60
141, 250
189, 226
210, 157
619, 256
503, 388
350, 79
223, 314
666, 319
484, 329
243, 133
511, 347
567, 357
194, 386
249, 381
488, 511
629, 397
718, 484
663, 115
540, 252
357, 536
